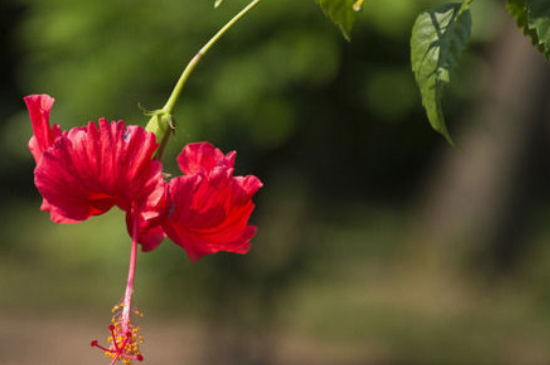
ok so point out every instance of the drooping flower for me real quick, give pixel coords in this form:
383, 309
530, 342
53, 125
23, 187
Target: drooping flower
87, 170
209, 207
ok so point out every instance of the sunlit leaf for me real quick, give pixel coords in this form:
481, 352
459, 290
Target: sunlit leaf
341, 12
218, 3
439, 37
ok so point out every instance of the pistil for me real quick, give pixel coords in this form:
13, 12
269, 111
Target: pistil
125, 338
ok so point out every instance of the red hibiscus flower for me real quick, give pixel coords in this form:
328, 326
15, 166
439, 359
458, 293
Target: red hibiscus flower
209, 207
87, 170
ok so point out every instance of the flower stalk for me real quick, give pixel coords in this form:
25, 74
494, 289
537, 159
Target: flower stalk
127, 159
162, 122
125, 339
128, 293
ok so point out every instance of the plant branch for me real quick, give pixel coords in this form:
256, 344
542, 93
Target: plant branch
170, 104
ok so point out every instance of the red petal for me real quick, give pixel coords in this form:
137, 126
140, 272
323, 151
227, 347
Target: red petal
210, 210
39, 111
202, 156
151, 213
91, 169
247, 187
150, 234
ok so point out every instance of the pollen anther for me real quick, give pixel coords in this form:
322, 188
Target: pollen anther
124, 340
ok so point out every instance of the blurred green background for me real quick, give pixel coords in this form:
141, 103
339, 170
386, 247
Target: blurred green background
378, 243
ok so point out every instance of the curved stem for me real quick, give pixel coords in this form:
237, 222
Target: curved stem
466, 4
169, 106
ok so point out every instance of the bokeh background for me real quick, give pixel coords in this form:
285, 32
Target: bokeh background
378, 243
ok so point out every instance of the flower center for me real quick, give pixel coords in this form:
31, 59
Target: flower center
125, 339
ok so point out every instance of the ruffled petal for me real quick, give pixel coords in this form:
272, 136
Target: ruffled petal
202, 156
150, 232
39, 107
88, 170
246, 187
209, 209
91, 169
151, 212
62, 181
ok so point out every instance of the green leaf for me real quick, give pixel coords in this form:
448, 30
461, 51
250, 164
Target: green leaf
439, 37
218, 3
341, 12
533, 17
518, 9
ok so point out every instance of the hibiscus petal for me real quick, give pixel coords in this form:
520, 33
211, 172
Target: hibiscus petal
64, 183
151, 212
151, 238
197, 245
150, 233
247, 186
210, 209
93, 168
202, 156
55, 215
39, 111
87, 170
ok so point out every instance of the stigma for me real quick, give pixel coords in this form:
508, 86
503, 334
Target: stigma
125, 339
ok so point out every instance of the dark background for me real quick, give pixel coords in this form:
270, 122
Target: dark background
378, 243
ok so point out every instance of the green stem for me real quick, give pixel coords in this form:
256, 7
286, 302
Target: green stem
170, 104
465, 6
